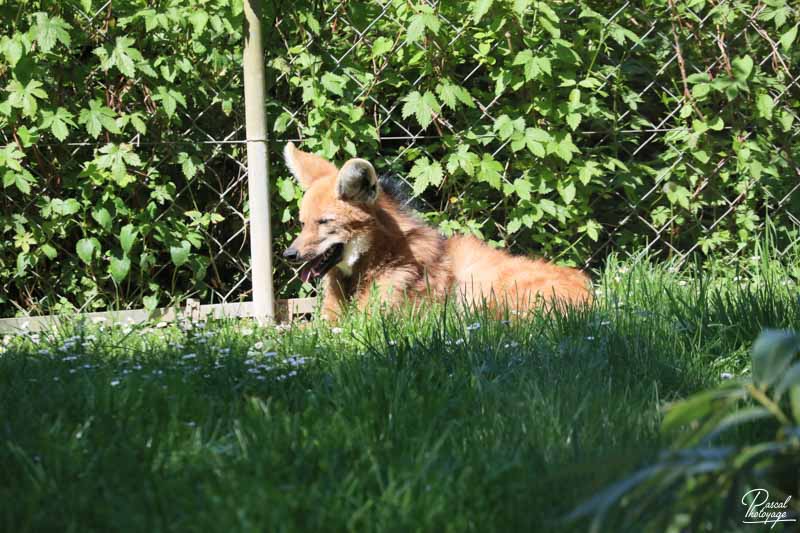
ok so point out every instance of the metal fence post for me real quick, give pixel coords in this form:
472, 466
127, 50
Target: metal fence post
257, 164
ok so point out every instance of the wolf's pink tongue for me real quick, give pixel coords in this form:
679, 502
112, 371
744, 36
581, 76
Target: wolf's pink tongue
305, 274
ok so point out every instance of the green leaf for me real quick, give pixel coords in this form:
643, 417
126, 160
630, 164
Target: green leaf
504, 127
169, 98
701, 90
588, 171
333, 83
536, 139
764, 105
534, 66
51, 30
717, 124
180, 254
150, 302
66, 207
573, 120
119, 269
567, 192
381, 46
24, 96
790, 379
21, 179
121, 56
677, 194
102, 217
735, 419
772, 354
563, 147
479, 8
742, 68
127, 236
57, 122
49, 251
699, 406
426, 173
85, 248
523, 188
490, 171
463, 159
12, 49
423, 107
514, 225
787, 39
450, 94
189, 165
592, 229
286, 189
701, 155
786, 120
422, 21
138, 123
198, 19
117, 157
98, 117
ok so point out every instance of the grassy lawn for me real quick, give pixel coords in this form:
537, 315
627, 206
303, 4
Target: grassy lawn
385, 423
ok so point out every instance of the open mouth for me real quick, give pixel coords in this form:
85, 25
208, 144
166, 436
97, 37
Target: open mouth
320, 265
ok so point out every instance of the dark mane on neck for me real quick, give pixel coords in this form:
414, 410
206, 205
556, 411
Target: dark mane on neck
400, 192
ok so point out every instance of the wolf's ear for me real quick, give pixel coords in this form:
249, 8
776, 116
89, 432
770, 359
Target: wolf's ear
306, 167
357, 182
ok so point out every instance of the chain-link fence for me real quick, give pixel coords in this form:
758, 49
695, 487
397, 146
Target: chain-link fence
568, 130
132, 183
682, 118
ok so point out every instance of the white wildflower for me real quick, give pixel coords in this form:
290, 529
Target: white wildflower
336, 331
114, 382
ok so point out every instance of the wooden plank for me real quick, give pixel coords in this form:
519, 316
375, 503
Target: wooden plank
286, 311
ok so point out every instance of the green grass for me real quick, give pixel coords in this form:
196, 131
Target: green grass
442, 422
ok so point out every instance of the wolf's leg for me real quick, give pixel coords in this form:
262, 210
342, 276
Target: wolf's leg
333, 300
391, 289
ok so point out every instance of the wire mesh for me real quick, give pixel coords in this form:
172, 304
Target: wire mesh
645, 220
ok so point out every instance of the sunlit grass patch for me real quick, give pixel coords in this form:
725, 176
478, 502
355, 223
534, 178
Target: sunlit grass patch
443, 419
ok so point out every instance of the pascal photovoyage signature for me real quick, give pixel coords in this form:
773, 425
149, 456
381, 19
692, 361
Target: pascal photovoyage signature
761, 510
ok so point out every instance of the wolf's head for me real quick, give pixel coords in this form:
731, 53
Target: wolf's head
336, 213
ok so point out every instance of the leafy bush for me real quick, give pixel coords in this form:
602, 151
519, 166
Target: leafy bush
566, 129
703, 481
562, 128
109, 193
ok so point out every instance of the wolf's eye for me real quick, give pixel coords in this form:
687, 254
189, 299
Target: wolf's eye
322, 221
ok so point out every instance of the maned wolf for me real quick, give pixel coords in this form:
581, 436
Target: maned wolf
360, 239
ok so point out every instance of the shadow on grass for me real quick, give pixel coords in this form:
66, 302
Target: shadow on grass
442, 420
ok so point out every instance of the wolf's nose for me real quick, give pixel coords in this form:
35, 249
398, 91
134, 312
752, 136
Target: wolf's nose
291, 254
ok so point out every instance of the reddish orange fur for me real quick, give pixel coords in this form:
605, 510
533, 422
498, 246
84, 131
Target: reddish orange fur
403, 257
